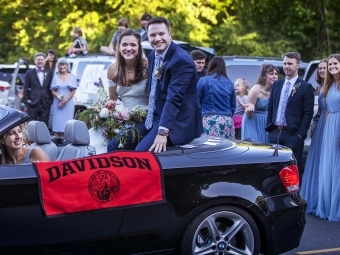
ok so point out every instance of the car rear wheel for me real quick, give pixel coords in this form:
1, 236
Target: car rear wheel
221, 230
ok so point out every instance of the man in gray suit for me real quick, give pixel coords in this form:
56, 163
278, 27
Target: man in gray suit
37, 94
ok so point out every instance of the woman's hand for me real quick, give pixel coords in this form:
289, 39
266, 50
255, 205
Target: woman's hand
62, 103
249, 110
249, 107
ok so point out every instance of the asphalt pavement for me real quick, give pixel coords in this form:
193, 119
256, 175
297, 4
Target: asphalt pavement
320, 237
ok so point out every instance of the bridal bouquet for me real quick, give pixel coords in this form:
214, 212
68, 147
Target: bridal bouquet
116, 120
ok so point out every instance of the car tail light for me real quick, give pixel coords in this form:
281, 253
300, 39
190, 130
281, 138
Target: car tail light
3, 88
290, 178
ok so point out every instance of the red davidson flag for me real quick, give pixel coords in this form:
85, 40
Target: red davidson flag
118, 179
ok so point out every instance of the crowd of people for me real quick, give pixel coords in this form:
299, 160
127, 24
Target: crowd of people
181, 97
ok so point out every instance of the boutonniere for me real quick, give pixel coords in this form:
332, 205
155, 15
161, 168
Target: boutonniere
45, 74
295, 88
159, 71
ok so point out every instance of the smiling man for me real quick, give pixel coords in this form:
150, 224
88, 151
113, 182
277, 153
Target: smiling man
174, 113
290, 108
37, 93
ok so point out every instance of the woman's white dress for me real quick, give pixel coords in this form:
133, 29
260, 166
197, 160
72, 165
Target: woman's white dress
131, 97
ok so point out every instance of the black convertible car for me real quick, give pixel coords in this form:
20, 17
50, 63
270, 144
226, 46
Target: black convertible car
220, 197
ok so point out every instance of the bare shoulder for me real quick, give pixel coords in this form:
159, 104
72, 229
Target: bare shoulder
255, 89
38, 154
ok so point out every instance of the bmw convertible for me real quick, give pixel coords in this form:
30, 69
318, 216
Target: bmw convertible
212, 196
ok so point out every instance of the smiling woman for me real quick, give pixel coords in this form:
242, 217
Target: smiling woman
129, 77
14, 151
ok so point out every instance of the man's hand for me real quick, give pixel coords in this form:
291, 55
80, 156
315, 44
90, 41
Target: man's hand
159, 144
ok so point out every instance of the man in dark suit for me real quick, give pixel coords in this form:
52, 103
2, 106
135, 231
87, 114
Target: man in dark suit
174, 114
37, 94
290, 108
143, 21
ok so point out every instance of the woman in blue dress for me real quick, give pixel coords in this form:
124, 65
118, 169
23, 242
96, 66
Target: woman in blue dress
328, 206
255, 116
63, 87
310, 179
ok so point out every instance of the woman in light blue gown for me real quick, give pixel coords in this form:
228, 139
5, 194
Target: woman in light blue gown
255, 116
63, 87
328, 206
310, 179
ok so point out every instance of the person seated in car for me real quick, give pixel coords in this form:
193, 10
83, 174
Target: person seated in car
13, 150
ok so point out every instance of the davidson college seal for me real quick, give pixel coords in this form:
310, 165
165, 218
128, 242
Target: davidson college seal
104, 186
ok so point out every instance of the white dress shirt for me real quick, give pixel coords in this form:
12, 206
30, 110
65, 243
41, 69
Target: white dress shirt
278, 120
40, 74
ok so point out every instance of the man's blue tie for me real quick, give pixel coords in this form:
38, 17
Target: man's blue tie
284, 104
151, 108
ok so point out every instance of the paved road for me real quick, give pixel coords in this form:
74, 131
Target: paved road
320, 237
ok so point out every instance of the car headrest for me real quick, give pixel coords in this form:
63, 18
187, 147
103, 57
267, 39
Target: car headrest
38, 132
76, 132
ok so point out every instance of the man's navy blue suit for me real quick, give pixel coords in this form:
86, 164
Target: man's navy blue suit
176, 101
298, 115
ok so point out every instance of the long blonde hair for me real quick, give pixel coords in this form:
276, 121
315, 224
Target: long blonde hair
329, 79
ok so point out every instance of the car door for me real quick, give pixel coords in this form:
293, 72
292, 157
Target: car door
23, 223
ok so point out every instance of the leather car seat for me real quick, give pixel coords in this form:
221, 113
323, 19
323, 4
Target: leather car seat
77, 135
40, 137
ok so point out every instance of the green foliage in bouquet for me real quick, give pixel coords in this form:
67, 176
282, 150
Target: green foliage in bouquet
116, 120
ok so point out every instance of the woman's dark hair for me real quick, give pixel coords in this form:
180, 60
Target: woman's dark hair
266, 69
217, 65
140, 64
318, 78
3, 148
54, 62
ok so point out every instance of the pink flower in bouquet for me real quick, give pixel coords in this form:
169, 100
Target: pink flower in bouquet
125, 114
116, 115
110, 104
